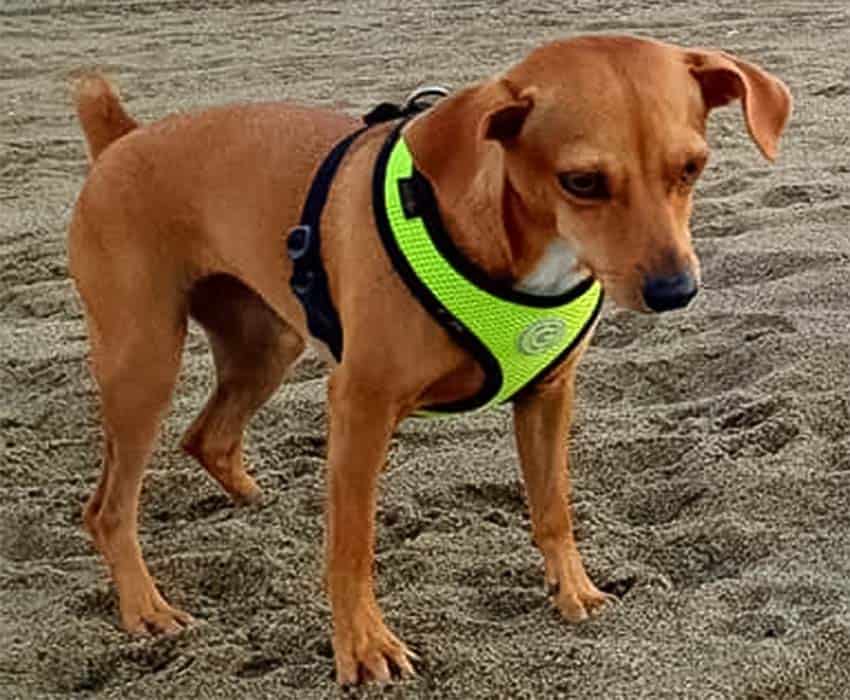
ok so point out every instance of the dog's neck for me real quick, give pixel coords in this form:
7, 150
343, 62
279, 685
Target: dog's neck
484, 215
492, 228
556, 272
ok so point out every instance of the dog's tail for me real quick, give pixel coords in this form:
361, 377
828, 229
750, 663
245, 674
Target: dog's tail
100, 112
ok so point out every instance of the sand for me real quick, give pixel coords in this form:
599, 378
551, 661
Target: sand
711, 455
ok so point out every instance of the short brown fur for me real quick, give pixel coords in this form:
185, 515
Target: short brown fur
185, 218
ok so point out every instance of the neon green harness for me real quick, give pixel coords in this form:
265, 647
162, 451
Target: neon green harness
517, 337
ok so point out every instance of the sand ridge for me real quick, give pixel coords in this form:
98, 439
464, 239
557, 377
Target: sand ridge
711, 456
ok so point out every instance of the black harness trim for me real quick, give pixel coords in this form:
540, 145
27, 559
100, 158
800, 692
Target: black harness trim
309, 281
418, 200
303, 245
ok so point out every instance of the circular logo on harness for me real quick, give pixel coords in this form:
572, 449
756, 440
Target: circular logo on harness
541, 335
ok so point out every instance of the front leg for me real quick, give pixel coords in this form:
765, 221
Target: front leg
542, 418
362, 421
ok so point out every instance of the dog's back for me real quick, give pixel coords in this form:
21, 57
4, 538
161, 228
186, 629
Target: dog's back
219, 185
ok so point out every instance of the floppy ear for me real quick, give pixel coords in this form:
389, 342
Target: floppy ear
505, 122
765, 99
446, 140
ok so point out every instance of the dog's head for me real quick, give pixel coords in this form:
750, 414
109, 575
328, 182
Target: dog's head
598, 141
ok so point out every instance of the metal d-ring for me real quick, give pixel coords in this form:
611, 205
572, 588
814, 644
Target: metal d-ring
299, 242
426, 91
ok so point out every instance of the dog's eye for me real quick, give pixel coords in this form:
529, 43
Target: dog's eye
585, 185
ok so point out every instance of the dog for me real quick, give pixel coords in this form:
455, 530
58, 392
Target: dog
575, 166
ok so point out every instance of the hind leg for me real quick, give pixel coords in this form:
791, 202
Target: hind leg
252, 348
136, 368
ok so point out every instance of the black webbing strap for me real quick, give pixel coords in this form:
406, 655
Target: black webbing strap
309, 281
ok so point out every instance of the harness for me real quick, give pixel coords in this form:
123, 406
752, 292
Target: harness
516, 337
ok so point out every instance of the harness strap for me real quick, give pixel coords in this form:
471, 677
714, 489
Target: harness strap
309, 281
516, 338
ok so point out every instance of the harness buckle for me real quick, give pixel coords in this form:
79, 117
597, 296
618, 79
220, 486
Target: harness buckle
300, 245
417, 101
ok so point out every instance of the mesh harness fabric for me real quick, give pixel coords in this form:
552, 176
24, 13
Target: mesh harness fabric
516, 337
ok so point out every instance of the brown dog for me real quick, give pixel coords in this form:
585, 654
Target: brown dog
578, 161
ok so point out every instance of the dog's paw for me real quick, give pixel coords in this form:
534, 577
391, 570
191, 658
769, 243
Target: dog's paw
244, 491
367, 651
153, 616
570, 588
579, 604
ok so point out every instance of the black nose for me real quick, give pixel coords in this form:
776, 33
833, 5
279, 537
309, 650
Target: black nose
668, 293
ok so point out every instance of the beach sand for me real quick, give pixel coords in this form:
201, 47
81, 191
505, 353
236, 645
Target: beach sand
711, 457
